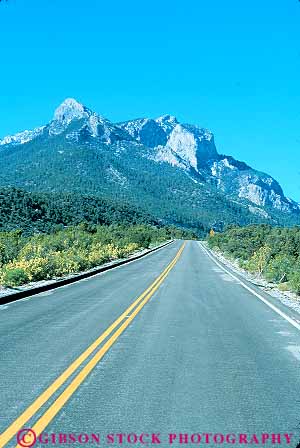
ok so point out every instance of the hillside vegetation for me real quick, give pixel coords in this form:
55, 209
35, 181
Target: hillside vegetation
121, 176
46, 212
272, 252
26, 259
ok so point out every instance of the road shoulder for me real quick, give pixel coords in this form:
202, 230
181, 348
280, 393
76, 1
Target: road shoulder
285, 304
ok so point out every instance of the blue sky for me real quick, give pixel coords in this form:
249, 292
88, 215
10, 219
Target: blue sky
231, 66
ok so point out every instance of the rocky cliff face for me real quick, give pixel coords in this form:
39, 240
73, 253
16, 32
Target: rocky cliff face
193, 149
238, 180
190, 145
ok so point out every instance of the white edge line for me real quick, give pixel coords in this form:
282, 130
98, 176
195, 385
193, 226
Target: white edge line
266, 302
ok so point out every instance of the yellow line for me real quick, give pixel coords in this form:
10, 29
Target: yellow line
43, 422
44, 397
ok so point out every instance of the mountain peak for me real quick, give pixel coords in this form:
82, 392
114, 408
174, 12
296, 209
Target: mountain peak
70, 109
167, 118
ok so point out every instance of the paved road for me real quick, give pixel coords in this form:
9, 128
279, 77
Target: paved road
203, 355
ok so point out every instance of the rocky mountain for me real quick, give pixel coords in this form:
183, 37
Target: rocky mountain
171, 169
193, 149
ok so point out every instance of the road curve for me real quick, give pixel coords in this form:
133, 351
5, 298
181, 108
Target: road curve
201, 355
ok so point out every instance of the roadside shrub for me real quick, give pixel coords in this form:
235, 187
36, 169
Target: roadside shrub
279, 268
294, 280
35, 269
13, 277
259, 260
97, 255
131, 247
141, 238
113, 252
63, 263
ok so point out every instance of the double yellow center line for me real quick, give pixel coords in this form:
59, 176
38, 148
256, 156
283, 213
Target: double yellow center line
124, 319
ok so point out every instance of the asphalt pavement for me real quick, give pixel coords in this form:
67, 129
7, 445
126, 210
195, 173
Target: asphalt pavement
197, 354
